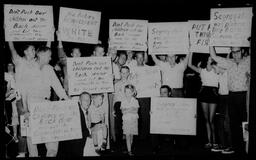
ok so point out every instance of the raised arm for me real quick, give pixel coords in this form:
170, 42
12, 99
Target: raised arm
194, 68
61, 53
218, 59
56, 85
14, 53
157, 61
185, 61
145, 57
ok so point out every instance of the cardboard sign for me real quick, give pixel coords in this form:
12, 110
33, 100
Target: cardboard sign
91, 74
28, 23
173, 116
77, 25
128, 34
231, 26
199, 38
55, 121
168, 38
147, 81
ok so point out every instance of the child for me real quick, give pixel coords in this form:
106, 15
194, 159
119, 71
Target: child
129, 107
97, 119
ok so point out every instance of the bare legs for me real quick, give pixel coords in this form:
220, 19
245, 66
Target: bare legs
209, 110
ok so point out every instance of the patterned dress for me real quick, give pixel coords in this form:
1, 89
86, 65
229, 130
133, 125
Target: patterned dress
130, 116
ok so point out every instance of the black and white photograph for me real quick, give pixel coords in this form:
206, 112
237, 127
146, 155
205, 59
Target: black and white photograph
128, 79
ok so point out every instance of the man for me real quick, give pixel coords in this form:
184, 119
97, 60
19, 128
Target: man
238, 69
40, 90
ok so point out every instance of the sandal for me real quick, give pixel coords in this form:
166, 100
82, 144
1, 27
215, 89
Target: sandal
208, 146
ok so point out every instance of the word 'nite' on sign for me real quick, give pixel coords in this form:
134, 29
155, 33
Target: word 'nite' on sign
78, 25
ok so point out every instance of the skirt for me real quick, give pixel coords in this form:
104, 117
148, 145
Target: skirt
208, 94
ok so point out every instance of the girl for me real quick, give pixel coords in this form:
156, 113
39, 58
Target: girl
208, 96
129, 108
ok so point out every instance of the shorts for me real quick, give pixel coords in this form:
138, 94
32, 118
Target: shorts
208, 94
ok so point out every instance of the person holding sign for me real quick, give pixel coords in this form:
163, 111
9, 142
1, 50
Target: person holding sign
156, 139
75, 148
62, 57
129, 107
238, 69
44, 80
173, 73
97, 119
208, 96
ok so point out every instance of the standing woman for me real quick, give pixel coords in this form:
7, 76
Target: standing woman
208, 96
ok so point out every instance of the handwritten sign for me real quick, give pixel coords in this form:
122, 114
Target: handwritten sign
231, 26
147, 81
76, 25
55, 121
91, 74
199, 37
168, 38
28, 23
173, 116
128, 34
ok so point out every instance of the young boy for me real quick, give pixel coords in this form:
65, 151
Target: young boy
75, 148
156, 139
97, 119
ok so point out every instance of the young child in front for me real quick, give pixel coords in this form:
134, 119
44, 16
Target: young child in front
129, 108
97, 119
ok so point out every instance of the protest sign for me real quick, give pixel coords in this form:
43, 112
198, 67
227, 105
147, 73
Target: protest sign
91, 74
173, 116
231, 26
147, 81
55, 121
77, 25
168, 38
28, 23
199, 38
128, 34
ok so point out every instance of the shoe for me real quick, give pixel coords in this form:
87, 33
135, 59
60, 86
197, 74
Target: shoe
228, 150
104, 145
130, 153
217, 148
20, 155
208, 146
98, 151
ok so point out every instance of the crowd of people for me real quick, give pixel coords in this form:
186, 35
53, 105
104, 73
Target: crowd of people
225, 82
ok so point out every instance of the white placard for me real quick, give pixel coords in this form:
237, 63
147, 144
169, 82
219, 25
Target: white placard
231, 26
91, 74
77, 25
55, 121
28, 23
147, 81
127, 34
173, 116
168, 38
199, 38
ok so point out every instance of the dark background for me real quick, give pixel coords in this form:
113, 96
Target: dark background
151, 10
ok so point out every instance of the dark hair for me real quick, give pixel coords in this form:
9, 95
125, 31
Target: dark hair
122, 53
25, 47
43, 49
167, 87
131, 87
125, 67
